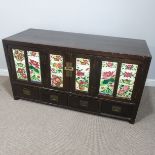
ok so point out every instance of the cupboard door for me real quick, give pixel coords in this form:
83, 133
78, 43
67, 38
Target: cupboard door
27, 64
57, 76
20, 64
107, 78
56, 70
81, 80
82, 74
34, 66
126, 80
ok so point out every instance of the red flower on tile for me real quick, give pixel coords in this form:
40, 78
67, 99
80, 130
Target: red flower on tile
34, 63
56, 81
120, 92
59, 65
79, 73
20, 70
24, 76
33, 53
125, 88
127, 74
129, 66
109, 64
82, 85
82, 82
108, 75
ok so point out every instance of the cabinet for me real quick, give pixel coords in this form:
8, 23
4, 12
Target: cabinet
95, 74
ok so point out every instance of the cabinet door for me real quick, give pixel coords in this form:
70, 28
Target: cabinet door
108, 77
126, 83
20, 69
82, 74
117, 78
56, 62
26, 65
34, 66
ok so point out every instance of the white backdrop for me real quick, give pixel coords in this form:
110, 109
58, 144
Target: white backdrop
120, 18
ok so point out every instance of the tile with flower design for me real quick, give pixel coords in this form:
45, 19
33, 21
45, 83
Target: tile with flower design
34, 66
56, 66
126, 80
108, 75
20, 66
82, 74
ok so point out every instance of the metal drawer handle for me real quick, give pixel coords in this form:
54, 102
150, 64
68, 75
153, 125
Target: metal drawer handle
116, 109
83, 103
54, 98
26, 92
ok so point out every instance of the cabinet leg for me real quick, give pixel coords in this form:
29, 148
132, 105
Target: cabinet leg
132, 121
16, 98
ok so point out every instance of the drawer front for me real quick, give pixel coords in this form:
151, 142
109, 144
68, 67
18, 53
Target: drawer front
53, 97
84, 103
28, 92
116, 109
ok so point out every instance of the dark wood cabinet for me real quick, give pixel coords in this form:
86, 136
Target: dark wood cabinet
95, 74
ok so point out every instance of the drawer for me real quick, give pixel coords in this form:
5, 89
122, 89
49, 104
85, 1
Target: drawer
28, 92
84, 103
53, 97
116, 109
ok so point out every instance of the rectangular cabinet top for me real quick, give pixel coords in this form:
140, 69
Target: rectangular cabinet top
83, 41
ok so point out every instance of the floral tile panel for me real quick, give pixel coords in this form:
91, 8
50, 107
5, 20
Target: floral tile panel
108, 75
56, 66
126, 80
82, 74
20, 65
34, 66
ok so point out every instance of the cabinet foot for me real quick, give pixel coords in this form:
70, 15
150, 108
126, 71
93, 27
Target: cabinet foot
16, 98
132, 121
